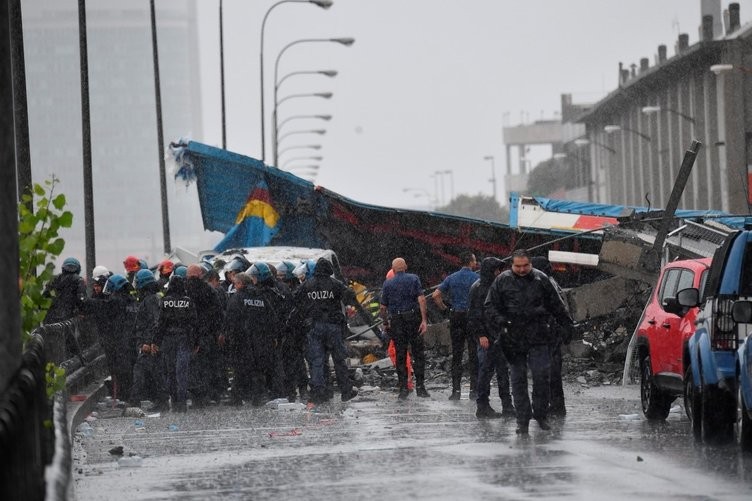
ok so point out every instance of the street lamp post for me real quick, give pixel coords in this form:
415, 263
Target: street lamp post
324, 4
297, 117
308, 131
420, 192
493, 174
300, 147
649, 110
451, 183
297, 159
346, 41
616, 128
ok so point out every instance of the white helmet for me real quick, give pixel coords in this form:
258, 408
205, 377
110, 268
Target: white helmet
100, 271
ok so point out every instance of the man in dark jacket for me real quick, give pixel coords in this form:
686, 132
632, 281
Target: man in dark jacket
319, 302
205, 356
236, 336
561, 336
148, 371
490, 355
175, 337
115, 314
518, 306
67, 290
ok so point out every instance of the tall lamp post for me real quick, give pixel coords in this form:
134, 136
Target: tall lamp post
324, 4
451, 183
309, 131
493, 174
300, 147
300, 117
297, 159
346, 41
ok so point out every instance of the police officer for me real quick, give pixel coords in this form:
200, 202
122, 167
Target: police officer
66, 290
204, 358
267, 315
490, 356
293, 345
175, 338
403, 308
560, 336
237, 332
319, 302
518, 306
148, 371
457, 287
114, 314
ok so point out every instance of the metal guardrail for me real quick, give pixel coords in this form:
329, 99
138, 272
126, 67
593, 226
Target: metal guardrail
26, 434
34, 433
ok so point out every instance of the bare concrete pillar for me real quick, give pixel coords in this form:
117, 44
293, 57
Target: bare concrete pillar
10, 320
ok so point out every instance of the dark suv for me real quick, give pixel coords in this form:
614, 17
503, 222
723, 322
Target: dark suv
663, 334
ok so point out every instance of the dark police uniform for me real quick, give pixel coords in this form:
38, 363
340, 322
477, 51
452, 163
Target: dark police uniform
519, 307
457, 287
492, 359
175, 338
148, 372
319, 302
399, 296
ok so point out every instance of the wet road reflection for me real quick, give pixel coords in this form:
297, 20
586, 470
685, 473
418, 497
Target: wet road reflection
376, 447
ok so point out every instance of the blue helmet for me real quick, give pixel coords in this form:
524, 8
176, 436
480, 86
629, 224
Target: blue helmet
142, 263
114, 284
285, 270
144, 278
180, 271
71, 265
310, 268
261, 271
236, 265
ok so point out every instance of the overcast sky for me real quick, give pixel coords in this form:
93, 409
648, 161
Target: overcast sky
428, 83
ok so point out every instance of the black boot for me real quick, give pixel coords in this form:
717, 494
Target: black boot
485, 411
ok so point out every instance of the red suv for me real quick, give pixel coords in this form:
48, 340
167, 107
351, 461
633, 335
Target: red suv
662, 336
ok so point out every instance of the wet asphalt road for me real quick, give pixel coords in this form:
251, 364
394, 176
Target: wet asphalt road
375, 447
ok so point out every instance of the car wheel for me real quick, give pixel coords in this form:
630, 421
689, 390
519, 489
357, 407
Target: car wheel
655, 403
718, 414
745, 426
693, 403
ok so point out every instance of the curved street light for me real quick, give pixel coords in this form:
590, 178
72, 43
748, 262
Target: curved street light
300, 147
324, 95
649, 110
326, 73
297, 159
584, 142
324, 4
616, 128
346, 41
298, 117
309, 131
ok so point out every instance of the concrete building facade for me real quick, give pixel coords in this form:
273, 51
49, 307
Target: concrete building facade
635, 137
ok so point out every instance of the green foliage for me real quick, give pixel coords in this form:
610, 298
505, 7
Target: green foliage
39, 245
55, 377
550, 176
476, 206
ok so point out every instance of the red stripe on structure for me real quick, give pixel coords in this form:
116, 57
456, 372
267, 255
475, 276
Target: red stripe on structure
258, 193
593, 222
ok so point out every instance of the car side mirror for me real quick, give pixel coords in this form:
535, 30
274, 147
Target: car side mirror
671, 305
741, 312
689, 298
